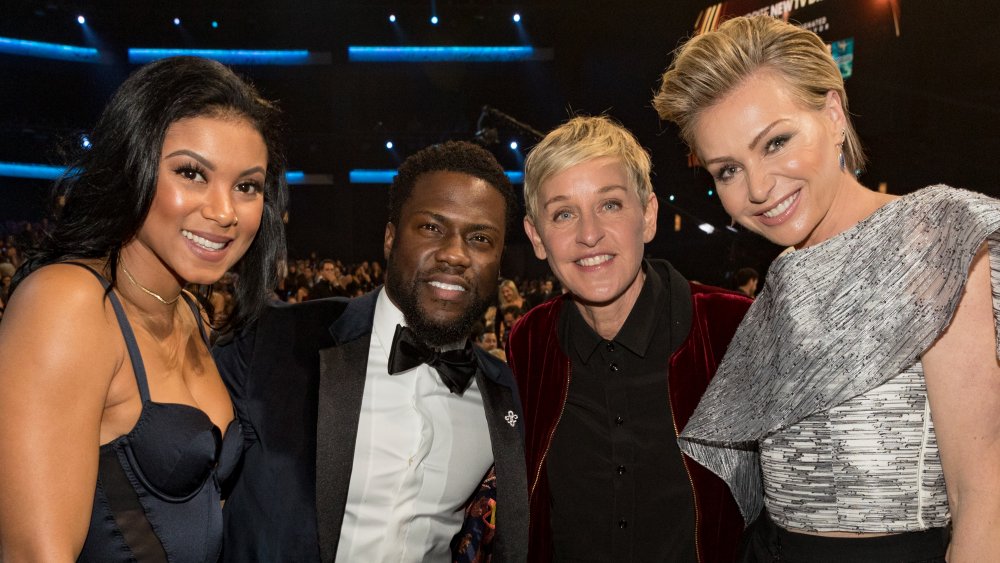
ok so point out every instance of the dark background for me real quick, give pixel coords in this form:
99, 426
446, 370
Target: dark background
925, 102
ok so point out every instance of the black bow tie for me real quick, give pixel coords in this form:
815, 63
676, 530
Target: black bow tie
456, 367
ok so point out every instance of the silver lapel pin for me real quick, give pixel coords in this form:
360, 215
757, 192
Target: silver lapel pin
511, 418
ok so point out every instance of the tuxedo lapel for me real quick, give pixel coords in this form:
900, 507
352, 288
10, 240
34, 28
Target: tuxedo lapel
341, 387
508, 454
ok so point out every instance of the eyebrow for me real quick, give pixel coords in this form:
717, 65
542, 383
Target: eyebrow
752, 144
204, 162
448, 220
603, 190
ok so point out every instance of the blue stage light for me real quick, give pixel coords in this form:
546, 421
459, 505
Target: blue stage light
434, 20
85, 142
81, 20
215, 24
295, 176
33, 171
389, 145
392, 18
517, 18
48, 50
368, 54
711, 193
370, 176
233, 57
513, 145
177, 21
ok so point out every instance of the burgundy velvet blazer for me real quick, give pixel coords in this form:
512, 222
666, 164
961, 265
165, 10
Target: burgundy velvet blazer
542, 371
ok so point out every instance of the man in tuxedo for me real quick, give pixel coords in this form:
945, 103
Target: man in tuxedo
374, 429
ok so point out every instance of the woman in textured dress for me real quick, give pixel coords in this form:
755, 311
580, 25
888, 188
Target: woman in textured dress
859, 402
116, 427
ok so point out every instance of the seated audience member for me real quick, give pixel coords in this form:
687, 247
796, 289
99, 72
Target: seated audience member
328, 284
746, 281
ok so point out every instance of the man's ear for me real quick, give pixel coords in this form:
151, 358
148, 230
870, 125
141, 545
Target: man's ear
390, 237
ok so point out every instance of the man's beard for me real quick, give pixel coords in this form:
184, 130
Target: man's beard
404, 294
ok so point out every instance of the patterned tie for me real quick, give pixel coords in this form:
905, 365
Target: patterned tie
455, 367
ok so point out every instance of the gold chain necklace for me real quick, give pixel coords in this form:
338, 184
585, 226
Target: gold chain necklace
147, 291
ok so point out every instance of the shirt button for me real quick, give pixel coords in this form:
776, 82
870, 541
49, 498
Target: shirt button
623, 523
619, 420
611, 346
613, 366
621, 470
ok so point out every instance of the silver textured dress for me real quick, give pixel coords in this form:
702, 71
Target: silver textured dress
819, 408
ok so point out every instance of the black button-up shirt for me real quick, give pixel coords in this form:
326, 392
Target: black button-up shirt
618, 486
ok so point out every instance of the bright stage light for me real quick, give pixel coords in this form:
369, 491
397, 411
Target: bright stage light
81, 20
368, 176
392, 18
34, 171
48, 50
177, 21
389, 145
513, 145
215, 24
450, 53
517, 18
434, 20
709, 229
227, 56
85, 142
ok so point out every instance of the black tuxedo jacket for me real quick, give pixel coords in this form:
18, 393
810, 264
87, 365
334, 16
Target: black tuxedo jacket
297, 377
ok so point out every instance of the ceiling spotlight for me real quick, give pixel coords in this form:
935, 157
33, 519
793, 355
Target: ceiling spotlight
434, 20
517, 17
711, 193
85, 141
177, 21
671, 197
389, 145
215, 24
81, 20
513, 145
392, 18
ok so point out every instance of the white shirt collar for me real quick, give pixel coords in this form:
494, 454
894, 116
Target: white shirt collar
387, 316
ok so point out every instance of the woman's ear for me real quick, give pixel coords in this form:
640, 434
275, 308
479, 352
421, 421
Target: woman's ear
834, 110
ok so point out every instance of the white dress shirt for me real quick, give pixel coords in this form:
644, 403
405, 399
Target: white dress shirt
421, 451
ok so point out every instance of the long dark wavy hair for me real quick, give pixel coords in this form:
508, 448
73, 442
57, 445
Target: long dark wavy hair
101, 202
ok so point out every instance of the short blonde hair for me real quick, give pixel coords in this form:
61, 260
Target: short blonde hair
579, 140
711, 65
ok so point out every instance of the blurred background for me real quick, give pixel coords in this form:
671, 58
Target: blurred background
363, 84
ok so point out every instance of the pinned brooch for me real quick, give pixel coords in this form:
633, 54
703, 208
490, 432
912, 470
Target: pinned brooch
511, 418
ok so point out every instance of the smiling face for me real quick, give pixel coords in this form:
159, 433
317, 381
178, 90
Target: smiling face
591, 227
775, 162
443, 257
208, 202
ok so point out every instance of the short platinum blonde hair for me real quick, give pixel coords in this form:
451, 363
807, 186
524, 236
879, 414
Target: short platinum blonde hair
709, 66
579, 140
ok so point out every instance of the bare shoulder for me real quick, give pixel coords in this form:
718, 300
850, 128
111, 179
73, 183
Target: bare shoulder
59, 309
64, 286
